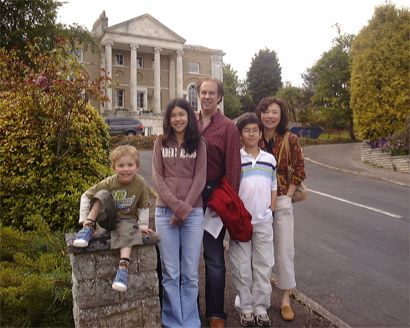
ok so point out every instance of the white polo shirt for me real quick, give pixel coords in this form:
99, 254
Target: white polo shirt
258, 180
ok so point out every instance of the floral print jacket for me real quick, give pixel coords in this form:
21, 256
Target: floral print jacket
296, 160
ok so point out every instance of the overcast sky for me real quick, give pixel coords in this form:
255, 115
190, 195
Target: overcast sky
298, 30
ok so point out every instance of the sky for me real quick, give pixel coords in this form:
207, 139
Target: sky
299, 31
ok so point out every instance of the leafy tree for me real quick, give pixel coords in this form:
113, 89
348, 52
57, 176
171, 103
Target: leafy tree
380, 96
329, 80
24, 21
232, 104
54, 145
247, 103
294, 97
264, 75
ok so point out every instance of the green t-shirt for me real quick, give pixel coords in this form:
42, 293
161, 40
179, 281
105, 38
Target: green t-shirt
128, 198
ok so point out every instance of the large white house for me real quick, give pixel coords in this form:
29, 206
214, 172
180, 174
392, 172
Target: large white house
149, 64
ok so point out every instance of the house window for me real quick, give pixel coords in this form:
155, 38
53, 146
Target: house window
141, 100
193, 68
193, 97
119, 97
140, 62
119, 59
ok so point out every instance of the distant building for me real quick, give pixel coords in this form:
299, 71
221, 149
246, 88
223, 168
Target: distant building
149, 65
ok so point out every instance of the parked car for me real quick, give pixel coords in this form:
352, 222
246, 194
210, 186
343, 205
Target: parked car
124, 125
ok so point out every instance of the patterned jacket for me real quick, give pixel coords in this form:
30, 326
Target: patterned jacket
296, 160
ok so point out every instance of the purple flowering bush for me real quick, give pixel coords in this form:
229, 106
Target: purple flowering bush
396, 144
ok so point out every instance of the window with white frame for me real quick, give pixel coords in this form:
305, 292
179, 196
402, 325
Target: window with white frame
193, 97
193, 68
119, 97
119, 59
140, 62
141, 100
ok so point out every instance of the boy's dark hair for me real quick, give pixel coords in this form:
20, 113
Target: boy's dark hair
263, 106
211, 79
192, 136
248, 118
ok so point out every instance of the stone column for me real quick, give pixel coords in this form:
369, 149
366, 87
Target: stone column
179, 74
217, 72
172, 77
133, 77
108, 67
157, 80
102, 69
96, 304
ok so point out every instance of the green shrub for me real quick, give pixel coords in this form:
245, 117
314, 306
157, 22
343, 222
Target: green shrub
35, 278
54, 145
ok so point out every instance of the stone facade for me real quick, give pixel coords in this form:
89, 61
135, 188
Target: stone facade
96, 304
382, 159
149, 64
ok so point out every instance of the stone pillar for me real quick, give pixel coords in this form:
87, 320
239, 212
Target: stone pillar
102, 69
179, 74
133, 78
217, 73
96, 304
108, 67
172, 77
157, 80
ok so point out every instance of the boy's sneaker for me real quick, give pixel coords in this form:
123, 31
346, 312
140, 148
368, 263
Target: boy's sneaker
262, 320
83, 237
121, 280
247, 320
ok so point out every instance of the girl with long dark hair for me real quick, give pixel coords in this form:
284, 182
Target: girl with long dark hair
179, 176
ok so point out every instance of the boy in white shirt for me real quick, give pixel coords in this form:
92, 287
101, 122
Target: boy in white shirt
252, 261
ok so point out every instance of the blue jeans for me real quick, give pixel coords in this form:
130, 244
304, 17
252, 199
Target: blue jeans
214, 275
180, 249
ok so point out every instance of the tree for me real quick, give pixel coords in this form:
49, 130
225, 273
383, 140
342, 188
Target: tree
264, 75
24, 21
54, 145
329, 79
380, 96
232, 104
247, 103
294, 98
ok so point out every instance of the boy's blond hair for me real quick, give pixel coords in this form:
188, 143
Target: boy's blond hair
122, 150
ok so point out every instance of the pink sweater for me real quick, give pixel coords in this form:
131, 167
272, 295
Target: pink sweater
178, 177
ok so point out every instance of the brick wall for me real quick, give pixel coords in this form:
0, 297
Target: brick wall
96, 304
382, 159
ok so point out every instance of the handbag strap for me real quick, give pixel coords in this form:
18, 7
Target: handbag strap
287, 148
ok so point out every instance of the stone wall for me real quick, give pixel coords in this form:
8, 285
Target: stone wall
96, 304
382, 159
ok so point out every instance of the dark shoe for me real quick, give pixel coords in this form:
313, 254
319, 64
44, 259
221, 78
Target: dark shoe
287, 312
121, 280
262, 320
83, 237
217, 323
247, 320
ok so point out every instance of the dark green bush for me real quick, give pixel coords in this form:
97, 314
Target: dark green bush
54, 145
35, 278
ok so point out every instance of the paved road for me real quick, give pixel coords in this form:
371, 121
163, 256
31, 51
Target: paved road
352, 247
